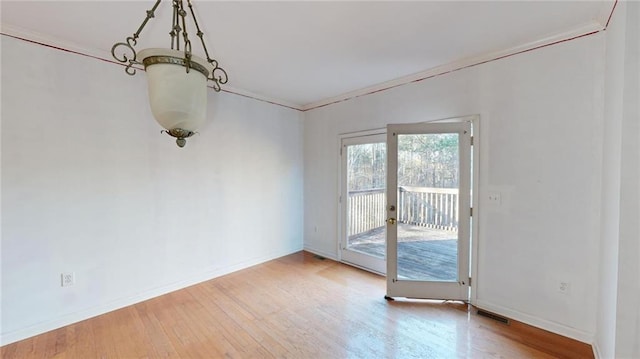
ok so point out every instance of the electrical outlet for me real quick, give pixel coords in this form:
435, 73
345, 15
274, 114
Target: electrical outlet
68, 279
564, 287
495, 198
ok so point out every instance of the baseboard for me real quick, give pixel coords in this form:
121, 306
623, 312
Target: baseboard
320, 253
17, 335
550, 326
596, 350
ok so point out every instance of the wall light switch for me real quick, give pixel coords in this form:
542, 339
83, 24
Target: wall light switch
68, 279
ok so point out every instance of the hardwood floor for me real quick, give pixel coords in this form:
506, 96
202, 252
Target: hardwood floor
298, 306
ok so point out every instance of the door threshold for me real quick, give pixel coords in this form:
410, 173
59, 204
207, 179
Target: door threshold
363, 268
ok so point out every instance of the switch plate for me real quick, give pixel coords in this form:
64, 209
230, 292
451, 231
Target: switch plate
68, 279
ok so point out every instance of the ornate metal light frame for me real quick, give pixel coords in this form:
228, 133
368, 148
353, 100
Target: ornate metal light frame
179, 40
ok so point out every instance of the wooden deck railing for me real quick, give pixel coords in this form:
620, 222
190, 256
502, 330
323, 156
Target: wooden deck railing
428, 207
422, 206
366, 210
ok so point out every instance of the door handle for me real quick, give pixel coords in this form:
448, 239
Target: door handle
391, 220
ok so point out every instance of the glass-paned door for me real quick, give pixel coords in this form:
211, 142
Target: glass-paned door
428, 210
363, 200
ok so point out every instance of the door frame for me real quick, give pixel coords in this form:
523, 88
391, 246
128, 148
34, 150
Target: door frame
423, 288
475, 190
476, 184
475, 203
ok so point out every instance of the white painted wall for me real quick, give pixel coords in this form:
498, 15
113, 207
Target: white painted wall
628, 299
604, 342
541, 134
90, 185
618, 328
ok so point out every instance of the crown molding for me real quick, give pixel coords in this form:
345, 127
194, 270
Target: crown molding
606, 10
54, 42
63, 45
587, 29
263, 98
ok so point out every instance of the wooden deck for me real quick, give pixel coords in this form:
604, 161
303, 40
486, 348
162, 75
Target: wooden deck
423, 253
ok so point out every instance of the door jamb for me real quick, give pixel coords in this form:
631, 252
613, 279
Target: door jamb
475, 204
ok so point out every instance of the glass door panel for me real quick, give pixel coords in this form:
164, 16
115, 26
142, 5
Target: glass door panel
363, 202
427, 228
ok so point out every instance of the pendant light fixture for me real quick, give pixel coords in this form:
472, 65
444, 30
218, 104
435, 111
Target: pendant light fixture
177, 79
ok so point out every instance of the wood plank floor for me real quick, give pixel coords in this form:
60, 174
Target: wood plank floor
298, 306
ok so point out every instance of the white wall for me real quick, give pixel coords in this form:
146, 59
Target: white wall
618, 329
604, 342
90, 185
541, 124
628, 299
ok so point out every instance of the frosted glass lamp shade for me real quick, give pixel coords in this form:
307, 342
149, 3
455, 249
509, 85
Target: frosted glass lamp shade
178, 99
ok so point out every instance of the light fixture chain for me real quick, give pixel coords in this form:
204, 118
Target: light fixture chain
174, 20
218, 74
131, 41
150, 15
200, 34
185, 35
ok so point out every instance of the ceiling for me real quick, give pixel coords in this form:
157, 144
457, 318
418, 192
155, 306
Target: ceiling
305, 54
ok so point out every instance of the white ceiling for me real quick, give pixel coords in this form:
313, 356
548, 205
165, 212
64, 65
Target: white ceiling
305, 54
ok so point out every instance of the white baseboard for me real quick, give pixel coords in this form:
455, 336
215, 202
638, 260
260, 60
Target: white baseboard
596, 350
553, 327
321, 253
24, 333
